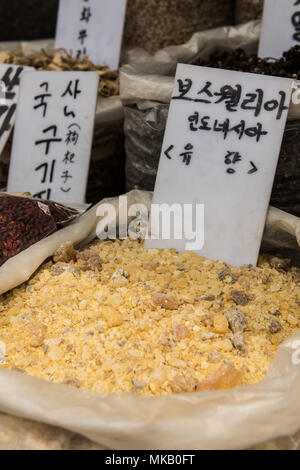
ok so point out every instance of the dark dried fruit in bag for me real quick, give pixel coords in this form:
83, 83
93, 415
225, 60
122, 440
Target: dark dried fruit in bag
241, 61
240, 297
65, 253
25, 221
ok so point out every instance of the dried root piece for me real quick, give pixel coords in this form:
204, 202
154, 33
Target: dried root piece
239, 342
65, 253
37, 335
89, 261
71, 382
166, 301
281, 264
181, 332
183, 384
226, 377
239, 297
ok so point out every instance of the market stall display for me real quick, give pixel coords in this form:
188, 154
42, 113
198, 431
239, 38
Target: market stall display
137, 348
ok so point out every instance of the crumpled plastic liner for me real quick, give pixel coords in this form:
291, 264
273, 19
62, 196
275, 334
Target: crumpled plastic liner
23, 434
229, 419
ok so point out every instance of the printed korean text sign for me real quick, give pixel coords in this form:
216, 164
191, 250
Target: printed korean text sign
9, 90
93, 28
53, 135
220, 150
280, 27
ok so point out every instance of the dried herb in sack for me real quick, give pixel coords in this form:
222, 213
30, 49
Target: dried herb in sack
61, 61
288, 66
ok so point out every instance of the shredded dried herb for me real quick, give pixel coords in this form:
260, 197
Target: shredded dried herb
239, 60
61, 60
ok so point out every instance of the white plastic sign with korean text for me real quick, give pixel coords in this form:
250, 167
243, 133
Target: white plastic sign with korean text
9, 90
53, 135
218, 162
93, 28
280, 27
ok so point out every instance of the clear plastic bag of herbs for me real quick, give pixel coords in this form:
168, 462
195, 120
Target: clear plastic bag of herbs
25, 221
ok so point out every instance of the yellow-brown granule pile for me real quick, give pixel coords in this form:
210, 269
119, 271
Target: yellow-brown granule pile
119, 318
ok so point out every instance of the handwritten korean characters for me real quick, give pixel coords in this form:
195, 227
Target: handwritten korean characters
93, 28
280, 27
9, 90
53, 135
220, 149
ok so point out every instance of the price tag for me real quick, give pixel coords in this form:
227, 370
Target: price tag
9, 90
93, 28
280, 27
53, 135
219, 155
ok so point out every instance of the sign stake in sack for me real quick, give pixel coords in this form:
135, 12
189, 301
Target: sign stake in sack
218, 162
280, 27
9, 90
93, 28
53, 135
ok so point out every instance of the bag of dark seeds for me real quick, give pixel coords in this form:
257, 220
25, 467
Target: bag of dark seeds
146, 97
25, 221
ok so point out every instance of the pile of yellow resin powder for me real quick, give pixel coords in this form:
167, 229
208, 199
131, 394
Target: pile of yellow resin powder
117, 318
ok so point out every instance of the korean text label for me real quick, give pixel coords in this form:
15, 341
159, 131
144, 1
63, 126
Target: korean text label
280, 27
53, 135
220, 149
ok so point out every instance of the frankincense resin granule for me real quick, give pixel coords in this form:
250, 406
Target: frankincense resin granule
117, 318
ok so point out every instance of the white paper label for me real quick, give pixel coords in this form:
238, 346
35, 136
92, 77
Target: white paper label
220, 150
53, 135
93, 28
280, 27
9, 90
